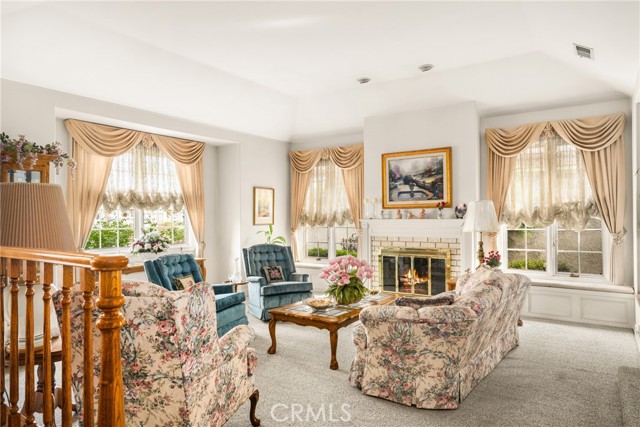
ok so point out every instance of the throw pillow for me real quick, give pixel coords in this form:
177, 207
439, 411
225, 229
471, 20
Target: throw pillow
419, 302
273, 274
184, 282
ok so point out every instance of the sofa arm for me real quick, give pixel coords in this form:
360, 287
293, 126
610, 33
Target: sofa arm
223, 288
299, 277
257, 279
360, 336
234, 341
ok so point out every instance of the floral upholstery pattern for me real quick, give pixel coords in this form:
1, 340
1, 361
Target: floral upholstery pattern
176, 371
434, 356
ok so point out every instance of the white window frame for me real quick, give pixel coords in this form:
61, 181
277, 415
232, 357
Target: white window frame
138, 222
331, 253
551, 273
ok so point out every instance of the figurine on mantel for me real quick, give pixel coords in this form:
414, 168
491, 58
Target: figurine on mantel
422, 214
461, 210
398, 214
410, 215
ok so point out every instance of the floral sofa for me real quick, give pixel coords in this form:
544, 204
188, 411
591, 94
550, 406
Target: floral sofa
175, 369
433, 357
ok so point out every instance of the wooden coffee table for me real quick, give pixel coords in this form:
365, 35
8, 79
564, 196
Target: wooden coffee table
332, 319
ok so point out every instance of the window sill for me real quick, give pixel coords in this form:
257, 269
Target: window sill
580, 285
313, 265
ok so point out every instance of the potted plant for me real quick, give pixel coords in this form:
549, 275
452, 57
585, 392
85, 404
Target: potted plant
25, 153
346, 276
268, 234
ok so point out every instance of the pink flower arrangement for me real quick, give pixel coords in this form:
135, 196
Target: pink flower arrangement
493, 259
346, 275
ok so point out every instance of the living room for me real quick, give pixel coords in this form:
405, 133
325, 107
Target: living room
256, 81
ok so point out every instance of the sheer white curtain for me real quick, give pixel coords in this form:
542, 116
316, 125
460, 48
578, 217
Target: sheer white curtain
143, 178
549, 184
326, 200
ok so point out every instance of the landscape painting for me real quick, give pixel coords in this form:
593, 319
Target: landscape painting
263, 201
416, 179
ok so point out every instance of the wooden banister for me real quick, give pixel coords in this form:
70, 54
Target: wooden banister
30, 269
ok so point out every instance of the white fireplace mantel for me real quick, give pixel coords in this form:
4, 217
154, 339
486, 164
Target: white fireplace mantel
418, 228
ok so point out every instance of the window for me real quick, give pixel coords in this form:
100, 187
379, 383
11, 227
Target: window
552, 222
142, 195
328, 230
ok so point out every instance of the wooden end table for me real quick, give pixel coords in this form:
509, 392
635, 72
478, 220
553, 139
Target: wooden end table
331, 319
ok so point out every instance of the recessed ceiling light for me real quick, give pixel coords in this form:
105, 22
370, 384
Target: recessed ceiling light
425, 67
363, 80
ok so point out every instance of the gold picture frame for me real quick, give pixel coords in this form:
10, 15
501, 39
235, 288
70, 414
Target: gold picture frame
416, 179
263, 205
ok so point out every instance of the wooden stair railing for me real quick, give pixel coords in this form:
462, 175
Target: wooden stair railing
31, 268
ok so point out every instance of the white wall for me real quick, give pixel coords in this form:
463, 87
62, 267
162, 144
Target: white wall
575, 112
242, 167
453, 126
38, 113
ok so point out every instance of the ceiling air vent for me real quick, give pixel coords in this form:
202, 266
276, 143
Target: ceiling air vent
583, 51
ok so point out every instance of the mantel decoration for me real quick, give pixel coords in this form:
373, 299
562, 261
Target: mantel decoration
346, 276
152, 242
416, 179
25, 153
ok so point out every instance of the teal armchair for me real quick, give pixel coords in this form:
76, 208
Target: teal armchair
264, 296
230, 308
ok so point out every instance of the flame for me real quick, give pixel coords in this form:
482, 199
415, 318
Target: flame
412, 277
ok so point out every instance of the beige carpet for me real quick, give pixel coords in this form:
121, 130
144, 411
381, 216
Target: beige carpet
560, 375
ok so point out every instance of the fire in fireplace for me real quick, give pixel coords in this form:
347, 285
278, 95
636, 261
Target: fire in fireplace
414, 270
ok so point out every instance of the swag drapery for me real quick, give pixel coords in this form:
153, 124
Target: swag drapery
349, 159
600, 141
95, 146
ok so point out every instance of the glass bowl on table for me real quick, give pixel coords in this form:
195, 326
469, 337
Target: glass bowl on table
319, 304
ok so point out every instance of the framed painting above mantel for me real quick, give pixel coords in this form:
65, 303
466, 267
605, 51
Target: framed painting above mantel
416, 179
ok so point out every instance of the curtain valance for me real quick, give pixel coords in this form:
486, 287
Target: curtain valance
109, 141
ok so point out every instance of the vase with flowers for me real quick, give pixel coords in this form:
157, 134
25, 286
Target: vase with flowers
150, 243
493, 259
346, 276
25, 153
440, 206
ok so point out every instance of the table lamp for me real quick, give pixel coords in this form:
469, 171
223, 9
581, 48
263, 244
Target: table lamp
33, 216
481, 216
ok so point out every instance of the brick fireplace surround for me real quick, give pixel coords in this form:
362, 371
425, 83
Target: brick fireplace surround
417, 233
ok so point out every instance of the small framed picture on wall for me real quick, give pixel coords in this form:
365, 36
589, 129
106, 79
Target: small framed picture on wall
263, 205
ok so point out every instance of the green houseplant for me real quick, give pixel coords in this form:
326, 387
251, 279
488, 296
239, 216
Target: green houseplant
271, 240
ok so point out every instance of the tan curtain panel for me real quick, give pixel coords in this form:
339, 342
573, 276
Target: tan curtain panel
350, 159
101, 141
301, 164
504, 146
601, 141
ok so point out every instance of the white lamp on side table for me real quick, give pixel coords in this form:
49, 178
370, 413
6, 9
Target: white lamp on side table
481, 217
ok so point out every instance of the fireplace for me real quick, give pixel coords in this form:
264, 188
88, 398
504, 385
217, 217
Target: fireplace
414, 270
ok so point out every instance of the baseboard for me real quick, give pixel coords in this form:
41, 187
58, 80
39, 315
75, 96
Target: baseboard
580, 306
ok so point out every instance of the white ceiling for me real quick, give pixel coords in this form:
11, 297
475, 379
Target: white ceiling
288, 69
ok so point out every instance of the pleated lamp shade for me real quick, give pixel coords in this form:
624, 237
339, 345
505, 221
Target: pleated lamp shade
34, 216
481, 216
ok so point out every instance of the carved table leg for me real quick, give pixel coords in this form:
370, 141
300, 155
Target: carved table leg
272, 332
252, 412
333, 336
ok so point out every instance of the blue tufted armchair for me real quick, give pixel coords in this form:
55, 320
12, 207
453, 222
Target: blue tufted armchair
264, 296
230, 309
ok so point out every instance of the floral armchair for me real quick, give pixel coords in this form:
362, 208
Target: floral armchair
175, 369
